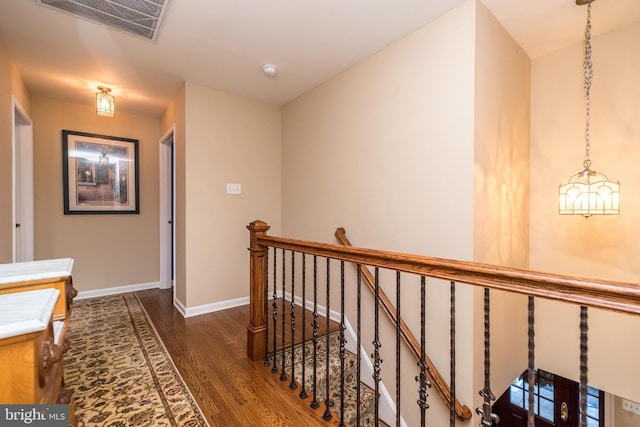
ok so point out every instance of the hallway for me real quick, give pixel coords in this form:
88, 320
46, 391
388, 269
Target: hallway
210, 353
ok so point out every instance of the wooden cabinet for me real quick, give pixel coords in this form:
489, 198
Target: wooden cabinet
35, 309
29, 276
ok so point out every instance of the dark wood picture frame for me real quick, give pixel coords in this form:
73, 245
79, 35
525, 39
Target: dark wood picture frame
100, 174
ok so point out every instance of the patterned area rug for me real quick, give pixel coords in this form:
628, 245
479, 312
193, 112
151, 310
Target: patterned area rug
119, 370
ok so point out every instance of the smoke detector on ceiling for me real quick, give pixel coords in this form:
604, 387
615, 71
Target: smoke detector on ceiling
269, 70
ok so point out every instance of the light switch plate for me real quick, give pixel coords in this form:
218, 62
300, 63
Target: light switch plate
630, 406
234, 188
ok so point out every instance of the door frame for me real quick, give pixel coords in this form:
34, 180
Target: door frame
22, 182
167, 209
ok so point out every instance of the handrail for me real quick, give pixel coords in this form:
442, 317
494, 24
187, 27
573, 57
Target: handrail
623, 297
462, 411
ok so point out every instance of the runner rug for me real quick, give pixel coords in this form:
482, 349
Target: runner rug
119, 370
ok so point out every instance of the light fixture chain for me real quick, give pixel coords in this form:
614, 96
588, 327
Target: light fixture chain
588, 77
589, 193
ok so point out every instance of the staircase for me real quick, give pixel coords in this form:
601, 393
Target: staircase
367, 394
287, 268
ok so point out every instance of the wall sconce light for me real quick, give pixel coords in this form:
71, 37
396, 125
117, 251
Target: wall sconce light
105, 104
589, 192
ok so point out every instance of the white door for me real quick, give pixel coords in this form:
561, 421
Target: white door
167, 233
22, 140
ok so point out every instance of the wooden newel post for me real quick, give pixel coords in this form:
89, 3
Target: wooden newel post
256, 347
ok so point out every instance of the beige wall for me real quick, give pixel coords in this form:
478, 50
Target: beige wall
604, 246
385, 150
228, 139
10, 84
501, 188
109, 250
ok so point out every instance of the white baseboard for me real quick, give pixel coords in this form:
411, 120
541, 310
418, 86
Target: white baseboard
117, 290
213, 307
186, 312
180, 307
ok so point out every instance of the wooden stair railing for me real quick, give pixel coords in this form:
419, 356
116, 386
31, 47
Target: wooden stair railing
621, 297
462, 411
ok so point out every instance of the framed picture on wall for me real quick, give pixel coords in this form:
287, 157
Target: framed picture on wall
100, 174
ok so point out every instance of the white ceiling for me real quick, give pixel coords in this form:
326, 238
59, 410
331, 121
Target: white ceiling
224, 43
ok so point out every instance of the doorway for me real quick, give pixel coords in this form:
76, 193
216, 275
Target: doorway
167, 210
556, 402
22, 145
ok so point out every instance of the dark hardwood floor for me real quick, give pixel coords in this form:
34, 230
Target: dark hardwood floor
210, 353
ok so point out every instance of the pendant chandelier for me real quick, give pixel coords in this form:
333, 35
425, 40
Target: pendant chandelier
589, 192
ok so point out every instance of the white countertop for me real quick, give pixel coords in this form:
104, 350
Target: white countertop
35, 270
26, 312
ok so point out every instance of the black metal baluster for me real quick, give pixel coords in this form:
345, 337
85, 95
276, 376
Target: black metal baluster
292, 384
327, 413
488, 417
266, 308
342, 344
584, 331
422, 378
314, 403
397, 349
274, 368
377, 360
532, 363
283, 374
452, 361
303, 392
358, 343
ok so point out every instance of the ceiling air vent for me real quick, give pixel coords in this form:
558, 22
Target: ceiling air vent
141, 18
